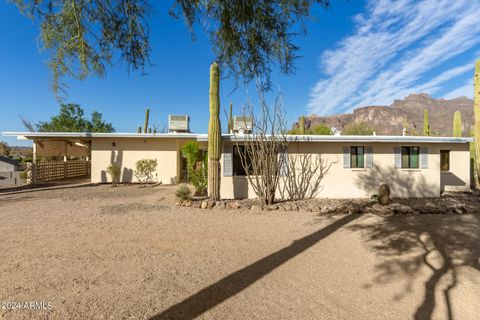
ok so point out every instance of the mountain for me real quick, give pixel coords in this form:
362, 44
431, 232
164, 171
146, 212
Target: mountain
390, 120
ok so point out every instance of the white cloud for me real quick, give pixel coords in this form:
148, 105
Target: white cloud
464, 91
395, 43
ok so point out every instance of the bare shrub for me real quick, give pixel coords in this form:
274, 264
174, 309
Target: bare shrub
262, 147
304, 177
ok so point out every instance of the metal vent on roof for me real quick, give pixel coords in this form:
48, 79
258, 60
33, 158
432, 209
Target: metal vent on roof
242, 124
178, 123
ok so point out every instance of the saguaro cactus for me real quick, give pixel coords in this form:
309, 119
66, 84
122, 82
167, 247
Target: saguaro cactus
145, 125
457, 124
214, 134
476, 108
426, 127
301, 124
139, 129
230, 119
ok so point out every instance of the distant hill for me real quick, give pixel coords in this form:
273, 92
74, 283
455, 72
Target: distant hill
390, 120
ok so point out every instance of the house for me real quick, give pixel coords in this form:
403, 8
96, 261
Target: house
9, 174
413, 166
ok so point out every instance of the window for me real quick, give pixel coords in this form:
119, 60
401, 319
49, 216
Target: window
357, 157
445, 160
238, 169
410, 157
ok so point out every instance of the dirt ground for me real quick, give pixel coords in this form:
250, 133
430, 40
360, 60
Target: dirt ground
128, 253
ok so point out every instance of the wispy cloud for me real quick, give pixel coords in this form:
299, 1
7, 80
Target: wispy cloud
394, 44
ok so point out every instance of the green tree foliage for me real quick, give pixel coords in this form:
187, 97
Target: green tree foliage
250, 37
357, 129
318, 129
457, 124
71, 119
4, 149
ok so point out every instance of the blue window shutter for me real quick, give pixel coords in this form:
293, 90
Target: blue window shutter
424, 158
397, 151
368, 157
283, 160
227, 162
346, 157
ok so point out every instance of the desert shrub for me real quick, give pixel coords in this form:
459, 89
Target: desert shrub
114, 172
144, 170
183, 192
23, 175
197, 166
320, 129
357, 129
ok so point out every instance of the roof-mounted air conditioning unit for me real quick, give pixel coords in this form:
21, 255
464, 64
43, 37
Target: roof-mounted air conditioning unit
178, 123
242, 124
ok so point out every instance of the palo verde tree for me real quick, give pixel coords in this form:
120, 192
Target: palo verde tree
249, 37
457, 124
71, 119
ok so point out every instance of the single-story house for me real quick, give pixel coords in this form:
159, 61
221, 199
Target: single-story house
8, 164
413, 166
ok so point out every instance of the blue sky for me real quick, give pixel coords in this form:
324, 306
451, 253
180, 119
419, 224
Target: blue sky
356, 53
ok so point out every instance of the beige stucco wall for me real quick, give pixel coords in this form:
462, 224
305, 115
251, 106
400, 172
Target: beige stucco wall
342, 182
127, 151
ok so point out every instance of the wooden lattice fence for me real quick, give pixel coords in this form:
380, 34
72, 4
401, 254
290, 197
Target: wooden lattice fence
58, 170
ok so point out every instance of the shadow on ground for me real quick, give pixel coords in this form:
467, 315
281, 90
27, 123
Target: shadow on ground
211, 296
408, 243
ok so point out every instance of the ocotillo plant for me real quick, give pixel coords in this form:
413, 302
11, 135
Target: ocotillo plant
457, 124
476, 108
301, 125
145, 125
426, 127
230, 119
214, 134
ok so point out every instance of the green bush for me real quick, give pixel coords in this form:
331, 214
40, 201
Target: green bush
183, 192
114, 172
23, 175
144, 170
318, 129
197, 166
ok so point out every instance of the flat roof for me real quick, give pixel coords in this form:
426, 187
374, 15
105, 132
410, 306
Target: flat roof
237, 137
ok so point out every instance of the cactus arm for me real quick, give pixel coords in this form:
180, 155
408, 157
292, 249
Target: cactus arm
457, 124
301, 125
147, 115
426, 127
230, 119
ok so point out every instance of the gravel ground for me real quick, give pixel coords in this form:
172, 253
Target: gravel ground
128, 253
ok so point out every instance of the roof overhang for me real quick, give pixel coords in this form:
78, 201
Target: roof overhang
235, 137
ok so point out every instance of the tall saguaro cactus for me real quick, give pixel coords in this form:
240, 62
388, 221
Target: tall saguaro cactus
426, 126
457, 124
145, 125
301, 125
214, 134
476, 108
230, 118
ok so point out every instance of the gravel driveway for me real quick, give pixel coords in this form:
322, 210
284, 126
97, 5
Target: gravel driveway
128, 253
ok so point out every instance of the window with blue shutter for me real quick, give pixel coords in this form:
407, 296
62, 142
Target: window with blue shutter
368, 157
424, 158
227, 162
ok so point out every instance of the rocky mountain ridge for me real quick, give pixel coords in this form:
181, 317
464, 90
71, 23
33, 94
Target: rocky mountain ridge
390, 120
